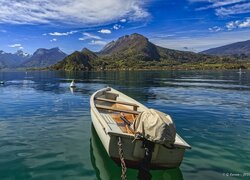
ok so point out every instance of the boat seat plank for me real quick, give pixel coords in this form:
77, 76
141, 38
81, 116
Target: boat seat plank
111, 95
108, 92
118, 102
108, 118
115, 123
116, 109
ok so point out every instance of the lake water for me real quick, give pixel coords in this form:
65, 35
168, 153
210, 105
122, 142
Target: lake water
46, 133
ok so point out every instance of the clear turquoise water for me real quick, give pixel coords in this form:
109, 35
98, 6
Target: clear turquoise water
45, 129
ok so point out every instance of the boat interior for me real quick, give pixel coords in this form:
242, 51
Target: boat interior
120, 111
113, 110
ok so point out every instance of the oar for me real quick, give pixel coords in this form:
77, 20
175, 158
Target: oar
125, 120
127, 124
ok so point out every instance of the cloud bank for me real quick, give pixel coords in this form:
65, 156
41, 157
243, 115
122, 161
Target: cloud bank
77, 12
238, 24
62, 33
224, 8
87, 36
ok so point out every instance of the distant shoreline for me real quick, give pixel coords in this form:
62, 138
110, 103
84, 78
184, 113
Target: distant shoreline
186, 67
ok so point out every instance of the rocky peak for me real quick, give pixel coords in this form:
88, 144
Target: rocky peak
21, 53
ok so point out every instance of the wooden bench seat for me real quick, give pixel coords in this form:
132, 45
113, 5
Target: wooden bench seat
116, 109
118, 102
110, 95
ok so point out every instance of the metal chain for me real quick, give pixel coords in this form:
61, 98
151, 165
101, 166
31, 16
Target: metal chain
123, 164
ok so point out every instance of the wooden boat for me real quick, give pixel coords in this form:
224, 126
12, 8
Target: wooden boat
106, 107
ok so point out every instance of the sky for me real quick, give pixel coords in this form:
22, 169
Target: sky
190, 25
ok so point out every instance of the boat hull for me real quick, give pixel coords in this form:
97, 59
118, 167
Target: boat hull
107, 169
162, 157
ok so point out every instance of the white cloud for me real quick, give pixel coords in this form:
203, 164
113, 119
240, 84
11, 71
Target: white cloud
225, 7
215, 29
53, 40
105, 31
82, 39
19, 46
232, 25
123, 20
238, 24
77, 12
3, 31
217, 3
245, 23
236, 9
117, 26
15, 45
61, 33
97, 42
89, 36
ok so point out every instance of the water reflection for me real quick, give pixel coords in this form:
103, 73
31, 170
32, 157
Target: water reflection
106, 169
72, 89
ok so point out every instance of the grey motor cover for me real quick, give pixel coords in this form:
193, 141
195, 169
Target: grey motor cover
155, 126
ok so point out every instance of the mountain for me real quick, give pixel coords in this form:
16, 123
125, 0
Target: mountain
9, 60
44, 57
235, 49
134, 45
22, 54
136, 52
76, 61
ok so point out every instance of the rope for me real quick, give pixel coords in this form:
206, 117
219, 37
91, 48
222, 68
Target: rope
123, 164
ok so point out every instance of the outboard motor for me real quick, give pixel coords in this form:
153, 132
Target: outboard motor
153, 127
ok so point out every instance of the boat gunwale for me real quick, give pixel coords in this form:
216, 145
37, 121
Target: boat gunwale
96, 112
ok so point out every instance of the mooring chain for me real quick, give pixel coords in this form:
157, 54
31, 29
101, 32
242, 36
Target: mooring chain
123, 164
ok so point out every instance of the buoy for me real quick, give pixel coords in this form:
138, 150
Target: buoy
72, 84
240, 71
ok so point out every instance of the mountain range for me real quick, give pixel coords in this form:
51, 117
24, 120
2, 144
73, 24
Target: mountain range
235, 49
11, 60
44, 58
127, 52
40, 58
132, 52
